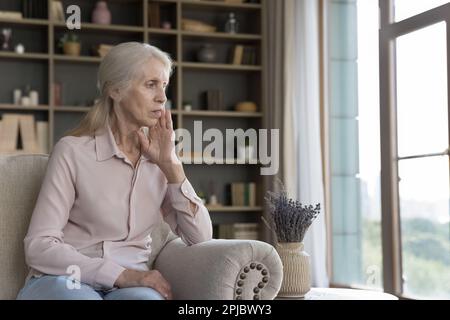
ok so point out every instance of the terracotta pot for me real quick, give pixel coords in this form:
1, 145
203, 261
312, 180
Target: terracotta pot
72, 48
296, 269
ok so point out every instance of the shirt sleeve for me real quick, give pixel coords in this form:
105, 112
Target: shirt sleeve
192, 226
45, 250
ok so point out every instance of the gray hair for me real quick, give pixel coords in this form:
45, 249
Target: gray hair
121, 65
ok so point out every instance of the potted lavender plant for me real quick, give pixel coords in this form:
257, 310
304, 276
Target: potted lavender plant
290, 220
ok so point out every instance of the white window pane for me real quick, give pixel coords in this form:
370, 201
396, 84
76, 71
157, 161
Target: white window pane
422, 117
408, 8
424, 215
369, 142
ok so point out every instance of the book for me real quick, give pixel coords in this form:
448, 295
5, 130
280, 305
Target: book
57, 11
246, 230
28, 133
225, 231
42, 136
214, 99
252, 194
153, 15
238, 53
243, 194
9, 132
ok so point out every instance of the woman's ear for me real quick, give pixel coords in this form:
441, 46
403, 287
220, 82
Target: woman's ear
115, 94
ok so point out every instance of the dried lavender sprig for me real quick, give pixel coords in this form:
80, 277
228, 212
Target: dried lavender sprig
289, 219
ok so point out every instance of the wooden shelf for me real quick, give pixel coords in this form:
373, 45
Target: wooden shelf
62, 57
71, 108
213, 161
162, 31
222, 35
110, 27
224, 114
85, 109
233, 209
7, 106
25, 56
219, 66
26, 21
218, 4
77, 75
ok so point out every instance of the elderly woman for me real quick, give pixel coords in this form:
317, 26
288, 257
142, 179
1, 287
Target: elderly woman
108, 183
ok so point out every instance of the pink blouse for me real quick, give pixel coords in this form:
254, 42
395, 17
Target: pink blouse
96, 212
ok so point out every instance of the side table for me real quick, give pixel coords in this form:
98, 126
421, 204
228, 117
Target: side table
343, 294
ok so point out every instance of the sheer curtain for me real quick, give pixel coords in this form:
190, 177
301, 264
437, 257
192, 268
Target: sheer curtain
302, 173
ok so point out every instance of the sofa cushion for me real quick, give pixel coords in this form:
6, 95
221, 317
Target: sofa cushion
20, 181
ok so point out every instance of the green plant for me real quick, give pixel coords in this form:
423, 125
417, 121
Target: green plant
68, 37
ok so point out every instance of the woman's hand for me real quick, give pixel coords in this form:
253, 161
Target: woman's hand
159, 147
150, 279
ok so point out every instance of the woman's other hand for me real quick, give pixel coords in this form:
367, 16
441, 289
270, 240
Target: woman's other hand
150, 279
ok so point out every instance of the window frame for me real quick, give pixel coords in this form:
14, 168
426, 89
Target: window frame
390, 215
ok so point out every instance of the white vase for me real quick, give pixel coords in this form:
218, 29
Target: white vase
296, 269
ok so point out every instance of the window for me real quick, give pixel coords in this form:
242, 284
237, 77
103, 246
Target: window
408, 8
355, 143
389, 187
415, 113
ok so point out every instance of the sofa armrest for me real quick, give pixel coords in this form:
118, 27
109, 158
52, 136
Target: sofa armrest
221, 270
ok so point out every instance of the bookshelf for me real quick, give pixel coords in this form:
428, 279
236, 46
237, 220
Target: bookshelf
44, 64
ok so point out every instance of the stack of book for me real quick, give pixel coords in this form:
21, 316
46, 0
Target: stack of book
243, 194
34, 9
244, 55
245, 230
19, 130
214, 100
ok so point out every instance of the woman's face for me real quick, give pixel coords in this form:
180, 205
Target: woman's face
145, 99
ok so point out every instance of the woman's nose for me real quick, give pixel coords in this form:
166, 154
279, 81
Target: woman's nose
161, 97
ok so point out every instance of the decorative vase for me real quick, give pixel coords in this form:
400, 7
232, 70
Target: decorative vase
296, 269
101, 13
72, 48
207, 54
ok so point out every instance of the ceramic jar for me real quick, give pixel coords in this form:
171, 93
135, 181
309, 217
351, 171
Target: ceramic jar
101, 13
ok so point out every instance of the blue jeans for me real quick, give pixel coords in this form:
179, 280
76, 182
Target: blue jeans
50, 287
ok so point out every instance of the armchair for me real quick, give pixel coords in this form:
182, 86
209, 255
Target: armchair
216, 269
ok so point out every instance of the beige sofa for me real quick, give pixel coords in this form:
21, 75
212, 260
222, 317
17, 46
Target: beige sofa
216, 269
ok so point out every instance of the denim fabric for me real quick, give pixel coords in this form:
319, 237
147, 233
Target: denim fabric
50, 287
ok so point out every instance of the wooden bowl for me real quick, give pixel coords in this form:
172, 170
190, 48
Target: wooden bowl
246, 106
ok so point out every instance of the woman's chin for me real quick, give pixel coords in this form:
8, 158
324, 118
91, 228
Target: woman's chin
150, 122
